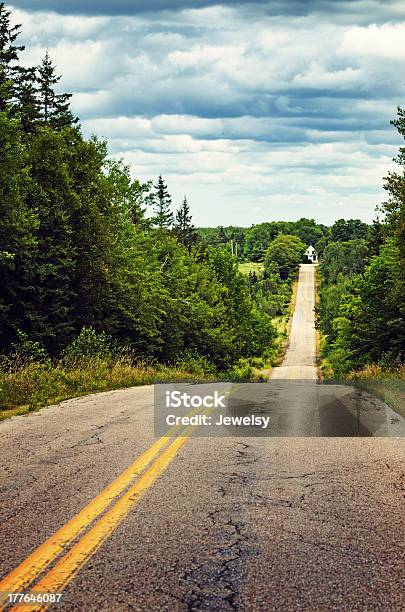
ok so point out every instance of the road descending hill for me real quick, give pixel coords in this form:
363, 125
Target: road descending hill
96, 509
299, 362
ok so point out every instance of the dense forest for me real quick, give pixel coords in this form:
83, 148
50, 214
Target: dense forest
362, 287
95, 263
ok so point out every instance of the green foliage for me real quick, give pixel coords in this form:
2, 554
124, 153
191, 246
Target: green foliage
26, 350
241, 371
85, 270
89, 344
9, 54
367, 320
54, 109
394, 208
129, 196
18, 226
308, 231
286, 252
343, 259
330, 299
28, 386
362, 298
163, 218
220, 236
183, 227
343, 231
384, 381
257, 241
190, 361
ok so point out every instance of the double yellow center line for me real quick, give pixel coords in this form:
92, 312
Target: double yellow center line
70, 564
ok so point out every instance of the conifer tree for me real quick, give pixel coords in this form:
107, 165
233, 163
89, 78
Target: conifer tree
26, 99
377, 237
17, 231
163, 218
184, 228
8, 56
54, 108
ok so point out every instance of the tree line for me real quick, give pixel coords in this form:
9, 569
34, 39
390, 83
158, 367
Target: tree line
362, 286
80, 248
251, 243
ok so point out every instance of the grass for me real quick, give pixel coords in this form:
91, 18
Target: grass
32, 386
283, 326
388, 385
251, 266
27, 387
319, 336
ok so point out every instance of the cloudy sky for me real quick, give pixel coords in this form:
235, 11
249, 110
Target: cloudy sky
257, 110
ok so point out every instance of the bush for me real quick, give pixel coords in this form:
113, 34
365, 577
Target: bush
241, 371
89, 344
25, 350
192, 362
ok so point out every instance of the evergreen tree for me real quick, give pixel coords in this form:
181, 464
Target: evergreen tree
8, 56
76, 250
93, 227
17, 229
222, 237
376, 237
184, 229
163, 218
51, 303
54, 108
395, 186
26, 99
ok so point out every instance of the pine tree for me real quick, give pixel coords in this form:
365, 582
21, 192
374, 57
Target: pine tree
8, 56
17, 231
54, 108
52, 304
377, 237
163, 218
26, 99
222, 237
184, 229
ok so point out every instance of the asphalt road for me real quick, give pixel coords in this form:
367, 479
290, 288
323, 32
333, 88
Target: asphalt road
300, 359
93, 506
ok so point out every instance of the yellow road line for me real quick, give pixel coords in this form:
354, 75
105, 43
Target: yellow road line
71, 563
22, 576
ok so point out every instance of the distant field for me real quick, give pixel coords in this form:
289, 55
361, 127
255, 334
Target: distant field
245, 268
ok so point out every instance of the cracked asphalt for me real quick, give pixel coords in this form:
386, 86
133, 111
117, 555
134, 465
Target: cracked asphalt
232, 524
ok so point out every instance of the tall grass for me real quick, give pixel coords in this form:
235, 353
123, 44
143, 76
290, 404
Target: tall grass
28, 386
386, 383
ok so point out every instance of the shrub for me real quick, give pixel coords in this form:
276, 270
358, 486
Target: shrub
25, 351
240, 371
89, 344
192, 362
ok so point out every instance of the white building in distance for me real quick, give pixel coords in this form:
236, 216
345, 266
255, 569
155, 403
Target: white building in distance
311, 254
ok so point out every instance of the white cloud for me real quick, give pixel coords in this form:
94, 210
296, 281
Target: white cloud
385, 41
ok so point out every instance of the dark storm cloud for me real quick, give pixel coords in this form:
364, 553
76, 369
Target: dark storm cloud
276, 8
